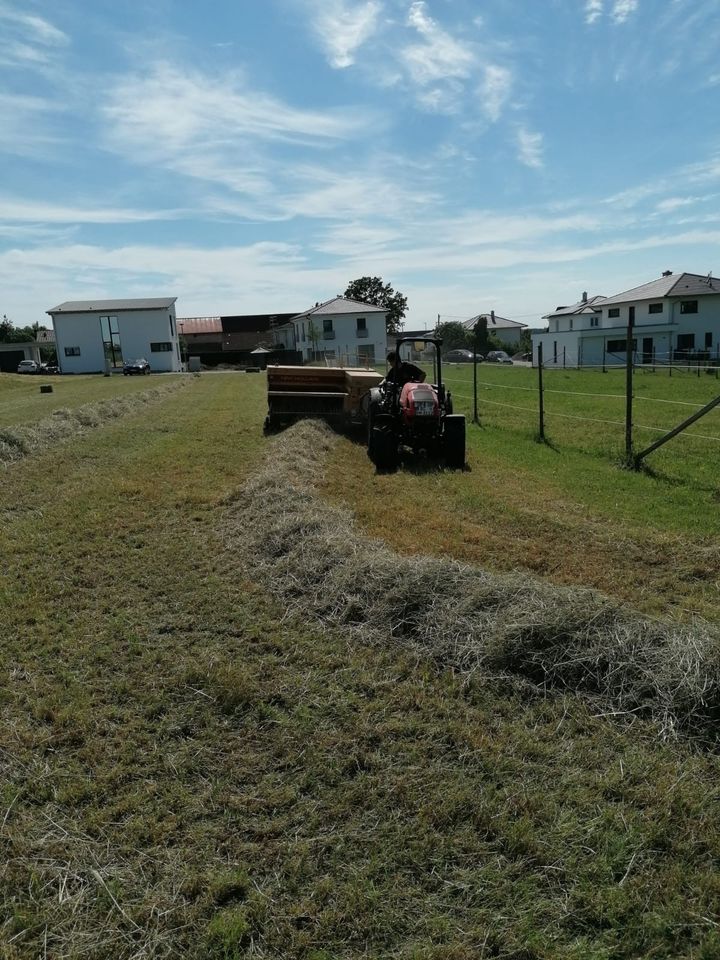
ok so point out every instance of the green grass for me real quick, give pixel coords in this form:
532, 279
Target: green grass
21, 401
186, 772
585, 414
566, 510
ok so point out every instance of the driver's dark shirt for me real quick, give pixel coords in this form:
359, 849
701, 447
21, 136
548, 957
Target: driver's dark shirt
404, 373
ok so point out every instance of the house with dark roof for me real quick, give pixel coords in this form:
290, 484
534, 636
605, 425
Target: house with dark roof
90, 334
675, 318
339, 330
235, 334
508, 331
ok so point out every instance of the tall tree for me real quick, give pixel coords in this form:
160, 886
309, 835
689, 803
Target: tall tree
481, 341
373, 290
454, 335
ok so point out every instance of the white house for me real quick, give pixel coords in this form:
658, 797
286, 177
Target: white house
338, 331
676, 317
89, 332
508, 331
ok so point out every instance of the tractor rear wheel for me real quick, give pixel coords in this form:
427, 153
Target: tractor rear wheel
383, 445
454, 441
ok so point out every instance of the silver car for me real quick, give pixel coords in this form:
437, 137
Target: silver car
28, 366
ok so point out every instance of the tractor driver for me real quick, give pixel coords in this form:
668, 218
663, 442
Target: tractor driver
402, 372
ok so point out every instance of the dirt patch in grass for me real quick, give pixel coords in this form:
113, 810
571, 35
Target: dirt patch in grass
311, 555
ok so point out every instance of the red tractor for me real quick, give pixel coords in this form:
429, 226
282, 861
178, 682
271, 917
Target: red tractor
415, 415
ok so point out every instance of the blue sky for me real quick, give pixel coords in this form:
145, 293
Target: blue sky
256, 156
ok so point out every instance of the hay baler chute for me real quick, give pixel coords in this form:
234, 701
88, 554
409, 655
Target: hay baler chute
334, 394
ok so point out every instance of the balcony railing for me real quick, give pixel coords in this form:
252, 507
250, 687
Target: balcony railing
361, 333
328, 334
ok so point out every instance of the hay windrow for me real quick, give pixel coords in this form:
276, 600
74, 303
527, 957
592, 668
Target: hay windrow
310, 555
64, 424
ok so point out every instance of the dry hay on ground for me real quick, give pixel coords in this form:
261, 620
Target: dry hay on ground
63, 424
311, 556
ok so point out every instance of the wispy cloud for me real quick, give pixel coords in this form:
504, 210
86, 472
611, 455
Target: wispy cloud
495, 90
439, 57
623, 9
593, 10
530, 147
35, 211
344, 27
175, 108
219, 130
35, 28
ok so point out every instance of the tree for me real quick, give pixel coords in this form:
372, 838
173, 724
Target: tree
373, 290
454, 335
481, 341
313, 333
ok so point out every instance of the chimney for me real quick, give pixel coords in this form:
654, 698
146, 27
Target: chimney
667, 273
492, 316
584, 296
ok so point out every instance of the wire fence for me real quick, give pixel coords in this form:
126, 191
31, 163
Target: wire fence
697, 362
618, 414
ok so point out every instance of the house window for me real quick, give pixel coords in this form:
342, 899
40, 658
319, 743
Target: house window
160, 347
686, 341
172, 328
328, 332
361, 324
688, 306
72, 351
655, 308
554, 351
708, 340
303, 330
613, 311
594, 321
620, 346
571, 323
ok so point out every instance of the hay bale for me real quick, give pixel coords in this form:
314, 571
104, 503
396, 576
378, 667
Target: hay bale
310, 555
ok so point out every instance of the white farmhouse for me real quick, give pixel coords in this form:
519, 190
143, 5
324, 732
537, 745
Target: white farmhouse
507, 331
339, 331
675, 318
90, 332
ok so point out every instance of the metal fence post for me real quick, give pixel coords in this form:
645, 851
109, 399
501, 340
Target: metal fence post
475, 405
629, 459
541, 402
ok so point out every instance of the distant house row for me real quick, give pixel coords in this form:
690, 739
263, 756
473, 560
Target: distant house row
675, 318
90, 336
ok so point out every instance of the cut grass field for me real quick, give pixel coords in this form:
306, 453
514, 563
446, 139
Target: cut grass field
189, 771
563, 510
21, 401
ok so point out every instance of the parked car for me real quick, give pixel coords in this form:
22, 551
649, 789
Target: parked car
140, 366
460, 356
28, 366
498, 356
49, 368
